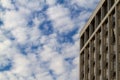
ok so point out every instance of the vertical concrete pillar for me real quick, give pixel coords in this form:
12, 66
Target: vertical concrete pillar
90, 60
105, 53
109, 48
85, 65
102, 52
81, 66
87, 62
96, 55
117, 20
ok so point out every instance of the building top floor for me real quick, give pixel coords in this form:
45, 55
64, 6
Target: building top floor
102, 11
99, 13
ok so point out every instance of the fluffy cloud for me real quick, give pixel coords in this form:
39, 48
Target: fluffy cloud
60, 18
39, 39
85, 3
7, 4
51, 2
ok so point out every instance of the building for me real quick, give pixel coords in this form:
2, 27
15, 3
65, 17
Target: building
100, 43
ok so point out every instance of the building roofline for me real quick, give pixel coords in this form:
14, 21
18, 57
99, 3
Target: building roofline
91, 17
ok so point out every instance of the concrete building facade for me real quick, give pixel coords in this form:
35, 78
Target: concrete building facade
100, 43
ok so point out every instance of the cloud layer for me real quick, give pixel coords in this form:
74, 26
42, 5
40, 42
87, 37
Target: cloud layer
39, 39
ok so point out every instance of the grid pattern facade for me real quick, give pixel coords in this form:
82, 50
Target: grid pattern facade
100, 43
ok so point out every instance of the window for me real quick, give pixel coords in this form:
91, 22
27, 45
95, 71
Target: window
99, 72
98, 18
105, 8
82, 41
113, 74
106, 65
93, 78
111, 2
99, 57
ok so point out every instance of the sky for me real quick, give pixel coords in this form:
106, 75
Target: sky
39, 39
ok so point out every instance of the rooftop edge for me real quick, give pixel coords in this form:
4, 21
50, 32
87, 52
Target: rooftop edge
91, 17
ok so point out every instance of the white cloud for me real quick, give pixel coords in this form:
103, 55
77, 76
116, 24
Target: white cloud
13, 19
5, 44
2, 76
56, 12
84, 15
63, 76
47, 53
20, 34
57, 65
43, 76
60, 17
21, 65
7, 4
31, 4
2, 37
51, 2
85, 4
70, 50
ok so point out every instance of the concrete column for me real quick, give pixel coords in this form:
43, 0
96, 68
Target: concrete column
102, 46
109, 47
81, 66
87, 62
96, 57
117, 20
102, 52
97, 53
105, 75
90, 59
85, 65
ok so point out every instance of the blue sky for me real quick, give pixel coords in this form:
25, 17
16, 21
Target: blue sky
39, 39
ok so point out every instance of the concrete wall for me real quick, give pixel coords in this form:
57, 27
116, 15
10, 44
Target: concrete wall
100, 43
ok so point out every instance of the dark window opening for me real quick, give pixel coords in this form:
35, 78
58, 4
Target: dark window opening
105, 8
106, 27
106, 65
113, 36
113, 57
87, 69
113, 74
83, 62
99, 72
82, 75
93, 78
93, 25
99, 57
93, 63
111, 2
98, 17
82, 41
106, 48
87, 34
113, 18
99, 41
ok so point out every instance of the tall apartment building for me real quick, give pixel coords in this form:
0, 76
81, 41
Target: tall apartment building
100, 43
